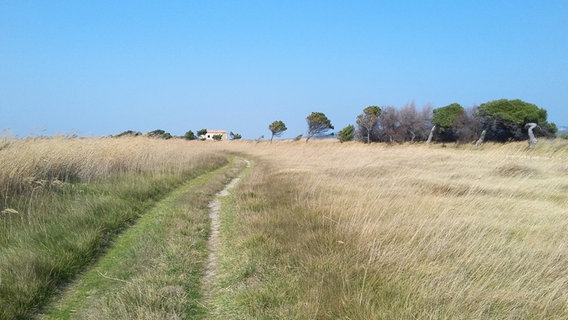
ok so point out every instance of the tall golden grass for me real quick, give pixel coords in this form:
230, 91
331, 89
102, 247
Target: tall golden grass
432, 231
30, 163
330, 230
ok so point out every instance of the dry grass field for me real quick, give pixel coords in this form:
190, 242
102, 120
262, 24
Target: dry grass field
404, 231
33, 163
326, 230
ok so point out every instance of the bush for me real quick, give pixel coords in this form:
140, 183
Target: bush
506, 119
189, 135
129, 133
347, 133
161, 134
235, 136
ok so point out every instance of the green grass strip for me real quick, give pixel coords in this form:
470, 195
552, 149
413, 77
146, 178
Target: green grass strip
153, 269
62, 231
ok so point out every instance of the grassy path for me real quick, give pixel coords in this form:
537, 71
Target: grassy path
154, 269
211, 270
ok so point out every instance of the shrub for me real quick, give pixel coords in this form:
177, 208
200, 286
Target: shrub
347, 133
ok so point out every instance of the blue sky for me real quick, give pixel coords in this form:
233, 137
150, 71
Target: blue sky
102, 67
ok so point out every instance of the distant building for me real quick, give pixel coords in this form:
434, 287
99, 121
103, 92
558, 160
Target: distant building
210, 133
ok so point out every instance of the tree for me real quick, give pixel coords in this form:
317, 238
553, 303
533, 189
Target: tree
235, 136
532, 139
390, 126
506, 119
444, 118
467, 126
159, 134
277, 128
129, 133
318, 124
368, 120
189, 135
414, 124
516, 111
201, 132
347, 133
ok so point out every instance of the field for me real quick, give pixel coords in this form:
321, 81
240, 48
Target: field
318, 230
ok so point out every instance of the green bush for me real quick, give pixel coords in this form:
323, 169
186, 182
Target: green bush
347, 133
189, 135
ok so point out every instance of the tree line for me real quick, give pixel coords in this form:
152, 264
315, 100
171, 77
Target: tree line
189, 135
499, 120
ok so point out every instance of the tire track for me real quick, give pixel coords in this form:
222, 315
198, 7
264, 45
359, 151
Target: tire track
213, 242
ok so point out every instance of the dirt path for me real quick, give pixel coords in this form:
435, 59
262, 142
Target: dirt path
213, 242
149, 272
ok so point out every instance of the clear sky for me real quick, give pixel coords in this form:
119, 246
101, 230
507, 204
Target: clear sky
97, 68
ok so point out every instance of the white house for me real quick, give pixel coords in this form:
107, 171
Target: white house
211, 133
